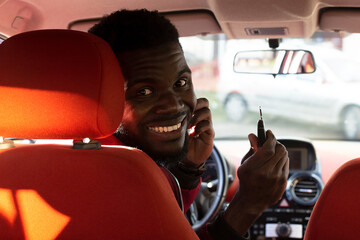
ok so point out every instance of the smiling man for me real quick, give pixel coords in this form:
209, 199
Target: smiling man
160, 101
160, 107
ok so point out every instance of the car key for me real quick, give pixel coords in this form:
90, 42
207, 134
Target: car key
261, 130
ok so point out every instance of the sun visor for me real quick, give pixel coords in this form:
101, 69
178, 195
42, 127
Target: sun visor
188, 23
340, 19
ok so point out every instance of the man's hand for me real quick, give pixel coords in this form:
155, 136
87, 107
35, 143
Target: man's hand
201, 141
262, 177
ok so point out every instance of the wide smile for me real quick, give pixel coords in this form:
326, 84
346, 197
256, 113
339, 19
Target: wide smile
168, 127
165, 129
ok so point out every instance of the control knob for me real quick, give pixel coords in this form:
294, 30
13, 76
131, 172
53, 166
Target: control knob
283, 230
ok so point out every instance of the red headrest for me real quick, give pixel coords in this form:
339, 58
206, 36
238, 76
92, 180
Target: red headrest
59, 84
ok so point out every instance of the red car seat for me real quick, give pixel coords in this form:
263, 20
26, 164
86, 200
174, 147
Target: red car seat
62, 84
336, 214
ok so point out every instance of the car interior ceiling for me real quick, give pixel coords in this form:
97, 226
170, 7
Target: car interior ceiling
296, 19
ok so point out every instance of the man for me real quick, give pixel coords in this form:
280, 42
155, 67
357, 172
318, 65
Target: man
160, 107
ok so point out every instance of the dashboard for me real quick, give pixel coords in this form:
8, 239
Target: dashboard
289, 217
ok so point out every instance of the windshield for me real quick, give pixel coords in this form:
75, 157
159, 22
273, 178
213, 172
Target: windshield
319, 105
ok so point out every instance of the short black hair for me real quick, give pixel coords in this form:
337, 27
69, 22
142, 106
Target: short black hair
127, 30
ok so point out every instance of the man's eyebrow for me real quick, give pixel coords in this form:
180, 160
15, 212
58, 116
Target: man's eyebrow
140, 80
151, 80
185, 70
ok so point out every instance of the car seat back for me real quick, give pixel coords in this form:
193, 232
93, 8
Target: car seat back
62, 84
336, 212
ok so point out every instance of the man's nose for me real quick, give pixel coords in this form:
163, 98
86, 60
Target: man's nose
168, 103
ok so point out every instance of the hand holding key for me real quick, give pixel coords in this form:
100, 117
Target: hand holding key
262, 177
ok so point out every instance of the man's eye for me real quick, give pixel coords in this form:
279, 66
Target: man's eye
144, 92
181, 83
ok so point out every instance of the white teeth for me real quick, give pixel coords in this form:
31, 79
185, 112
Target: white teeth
165, 128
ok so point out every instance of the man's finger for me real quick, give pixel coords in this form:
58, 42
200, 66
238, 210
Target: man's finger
200, 115
247, 155
282, 161
253, 141
277, 158
253, 147
204, 127
202, 103
286, 168
271, 141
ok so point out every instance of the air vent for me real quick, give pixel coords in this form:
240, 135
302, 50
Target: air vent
304, 189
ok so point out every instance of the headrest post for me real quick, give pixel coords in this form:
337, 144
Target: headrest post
87, 144
6, 143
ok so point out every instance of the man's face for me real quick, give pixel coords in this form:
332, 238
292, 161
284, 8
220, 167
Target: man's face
159, 102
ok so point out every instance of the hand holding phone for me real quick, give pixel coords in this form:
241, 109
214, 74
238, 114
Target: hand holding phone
261, 130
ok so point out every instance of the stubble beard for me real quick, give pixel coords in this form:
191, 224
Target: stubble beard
160, 158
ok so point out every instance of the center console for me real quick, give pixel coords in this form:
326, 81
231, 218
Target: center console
288, 218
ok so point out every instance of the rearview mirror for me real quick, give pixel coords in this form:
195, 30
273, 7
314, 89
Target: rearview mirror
274, 62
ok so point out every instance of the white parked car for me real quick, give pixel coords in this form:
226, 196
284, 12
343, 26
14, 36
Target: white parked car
328, 96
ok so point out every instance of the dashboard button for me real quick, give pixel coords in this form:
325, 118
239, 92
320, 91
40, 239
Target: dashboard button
283, 230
